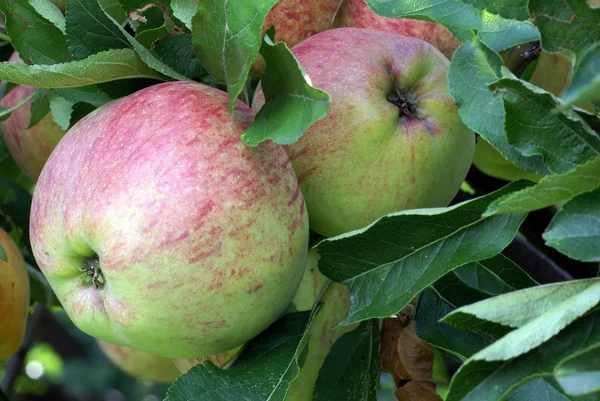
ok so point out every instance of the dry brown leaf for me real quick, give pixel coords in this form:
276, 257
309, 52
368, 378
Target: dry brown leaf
408, 359
416, 355
413, 391
390, 359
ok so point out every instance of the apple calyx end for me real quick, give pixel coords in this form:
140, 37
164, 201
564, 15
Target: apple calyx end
404, 104
91, 272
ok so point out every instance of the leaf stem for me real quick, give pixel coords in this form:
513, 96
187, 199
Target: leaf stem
6, 112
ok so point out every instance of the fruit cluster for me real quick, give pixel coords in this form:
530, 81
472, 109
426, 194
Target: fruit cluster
160, 230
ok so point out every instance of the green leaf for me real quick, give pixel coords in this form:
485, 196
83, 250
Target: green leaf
263, 372
89, 94
40, 288
580, 374
535, 127
39, 107
132, 5
226, 38
114, 9
14, 212
539, 313
389, 262
551, 190
62, 109
63, 102
517, 9
496, 32
463, 286
516, 309
5, 112
574, 230
490, 162
479, 380
184, 10
537, 390
472, 68
565, 25
34, 37
90, 30
585, 82
177, 52
48, 10
494, 276
431, 308
351, 370
11, 171
292, 104
3, 255
102, 67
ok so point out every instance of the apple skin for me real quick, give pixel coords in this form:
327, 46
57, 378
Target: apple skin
336, 304
296, 20
29, 147
363, 159
140, 364
201, 239
552, 73
14, 297
358, 14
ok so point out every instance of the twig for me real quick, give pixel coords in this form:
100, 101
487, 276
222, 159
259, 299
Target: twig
14, 366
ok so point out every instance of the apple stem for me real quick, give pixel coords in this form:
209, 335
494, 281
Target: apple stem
402, 101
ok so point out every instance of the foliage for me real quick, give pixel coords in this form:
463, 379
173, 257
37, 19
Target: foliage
515, 339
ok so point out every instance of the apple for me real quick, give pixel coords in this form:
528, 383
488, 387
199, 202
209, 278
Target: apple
552, 72
29, 147
296, 20
392, 140
140, 364
14, 296
358, 14
322, 336
159, 229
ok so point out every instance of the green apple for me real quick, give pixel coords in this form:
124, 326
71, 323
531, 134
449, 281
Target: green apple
357, 14
140, 364
392, 139
159, 229
336, 304
552, 72
29, 147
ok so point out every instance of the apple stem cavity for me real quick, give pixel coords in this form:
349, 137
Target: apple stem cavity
92, 274
404, 104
